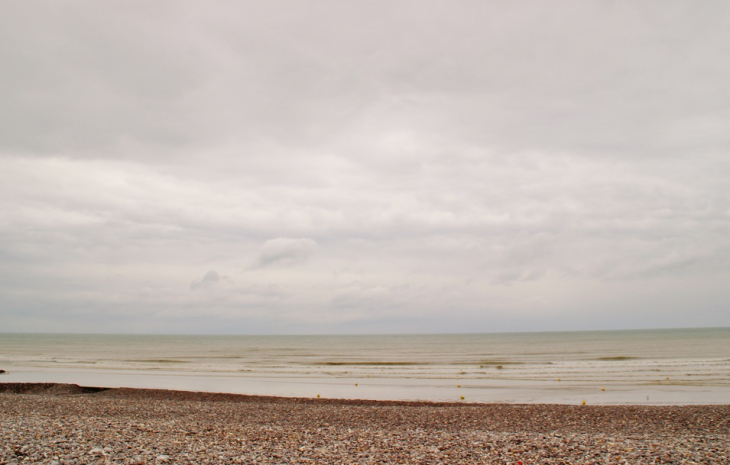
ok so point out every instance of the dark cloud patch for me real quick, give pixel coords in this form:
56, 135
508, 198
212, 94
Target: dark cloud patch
285, 251
210, 279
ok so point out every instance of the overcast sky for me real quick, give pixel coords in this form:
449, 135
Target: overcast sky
363, 167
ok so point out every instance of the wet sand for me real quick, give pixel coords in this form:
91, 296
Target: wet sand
572, 392
47, 423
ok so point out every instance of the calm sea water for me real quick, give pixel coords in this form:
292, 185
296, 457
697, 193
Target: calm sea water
685, 356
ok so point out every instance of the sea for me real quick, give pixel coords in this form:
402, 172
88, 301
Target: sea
662, 366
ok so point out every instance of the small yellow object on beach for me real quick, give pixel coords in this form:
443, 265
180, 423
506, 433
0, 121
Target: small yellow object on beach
583, 403
317, 396
355, 384
603, 389
462, 397
458, 385
667, 377
558, 379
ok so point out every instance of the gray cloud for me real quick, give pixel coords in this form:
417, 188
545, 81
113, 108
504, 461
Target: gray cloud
285, 251
210, 279
481, 166
128, 80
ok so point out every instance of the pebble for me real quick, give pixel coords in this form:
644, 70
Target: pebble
64, 425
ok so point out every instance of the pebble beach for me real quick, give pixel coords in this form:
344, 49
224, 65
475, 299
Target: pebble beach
68, 424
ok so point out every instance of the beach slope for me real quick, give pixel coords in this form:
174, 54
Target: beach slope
46, 423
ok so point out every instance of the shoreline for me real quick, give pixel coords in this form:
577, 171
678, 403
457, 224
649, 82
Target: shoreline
63, 389
565, 392
65, 424
208, 396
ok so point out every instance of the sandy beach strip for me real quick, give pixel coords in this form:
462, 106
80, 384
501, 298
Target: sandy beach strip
68, 424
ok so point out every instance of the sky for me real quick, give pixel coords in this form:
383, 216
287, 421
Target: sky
290, 167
